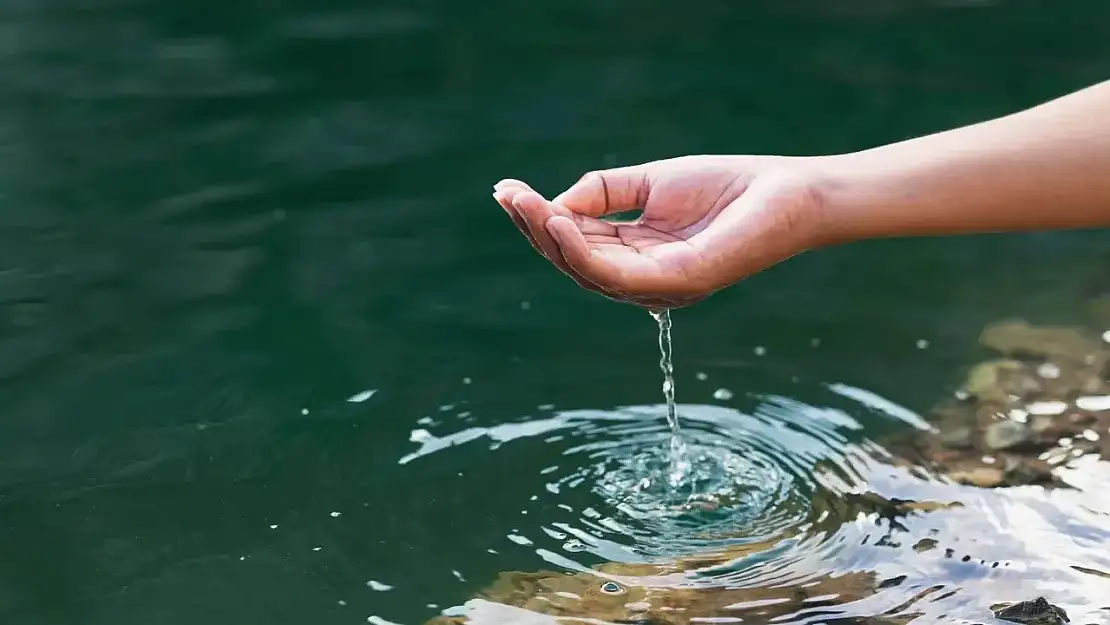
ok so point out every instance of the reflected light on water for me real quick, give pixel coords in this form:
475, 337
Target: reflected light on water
798, 517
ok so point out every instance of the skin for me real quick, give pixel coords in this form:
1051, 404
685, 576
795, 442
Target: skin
711, 221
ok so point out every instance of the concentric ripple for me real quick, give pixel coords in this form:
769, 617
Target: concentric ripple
783, 513
735, 481
745, 478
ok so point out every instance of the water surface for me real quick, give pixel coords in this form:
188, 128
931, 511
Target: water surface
249, 265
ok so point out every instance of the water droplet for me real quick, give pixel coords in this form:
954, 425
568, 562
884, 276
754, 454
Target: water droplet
274, 527
612, 588
467, 380
317, 548
358, 398
815, 342
520, 540
304, 411
760, 351
334, 514
378, 586
526, 305
342, 602
701, 376
922, 343
458, 575
1106, 336
722, 394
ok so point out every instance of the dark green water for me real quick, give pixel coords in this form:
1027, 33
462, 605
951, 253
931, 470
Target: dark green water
221, 220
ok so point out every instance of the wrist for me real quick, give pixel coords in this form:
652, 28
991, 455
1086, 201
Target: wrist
844, 192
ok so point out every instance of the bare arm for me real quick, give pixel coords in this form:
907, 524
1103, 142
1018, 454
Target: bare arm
1044, 168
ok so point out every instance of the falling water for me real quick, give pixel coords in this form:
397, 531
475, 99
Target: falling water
678, 459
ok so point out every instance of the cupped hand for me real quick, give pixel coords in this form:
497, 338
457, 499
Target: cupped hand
707, 222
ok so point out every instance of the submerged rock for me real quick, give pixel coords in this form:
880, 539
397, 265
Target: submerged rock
675, 592
1019, 338
1017, 415
643, 593
1013, 418
1004, 435
1036, 612
983, 477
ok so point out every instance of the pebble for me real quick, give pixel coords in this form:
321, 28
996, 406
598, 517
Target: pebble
983, 477
957, 437
925, 544
1041, 424
1048, 371
1005, 434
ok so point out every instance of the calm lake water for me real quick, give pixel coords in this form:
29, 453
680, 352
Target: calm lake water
270, 353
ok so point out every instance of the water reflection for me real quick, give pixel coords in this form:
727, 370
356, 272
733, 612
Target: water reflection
823, 525
222, 220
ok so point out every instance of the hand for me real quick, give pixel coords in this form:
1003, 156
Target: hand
707, 222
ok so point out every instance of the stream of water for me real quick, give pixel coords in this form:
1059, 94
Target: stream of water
679, 465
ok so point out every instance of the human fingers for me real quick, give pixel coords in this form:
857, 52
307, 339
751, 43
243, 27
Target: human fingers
608, 191
634, 274
505, 200
535, 211
587, 226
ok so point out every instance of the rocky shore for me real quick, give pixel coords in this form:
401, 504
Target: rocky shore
1043, 400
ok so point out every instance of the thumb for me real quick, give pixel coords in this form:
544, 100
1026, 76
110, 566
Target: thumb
608, 191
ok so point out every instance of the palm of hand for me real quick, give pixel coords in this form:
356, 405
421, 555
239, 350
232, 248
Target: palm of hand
679, 206
672, 255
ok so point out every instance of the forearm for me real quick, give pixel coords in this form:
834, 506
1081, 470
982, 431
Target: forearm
1044, 168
